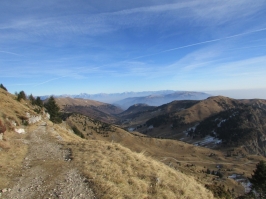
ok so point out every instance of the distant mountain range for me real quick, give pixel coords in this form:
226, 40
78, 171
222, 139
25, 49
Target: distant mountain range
157, 100
127, 99
112, 97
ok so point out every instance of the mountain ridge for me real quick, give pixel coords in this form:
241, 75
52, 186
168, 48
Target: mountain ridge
157, 100
98, 110
110, 97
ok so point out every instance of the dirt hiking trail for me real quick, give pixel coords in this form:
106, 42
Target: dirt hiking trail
47, 170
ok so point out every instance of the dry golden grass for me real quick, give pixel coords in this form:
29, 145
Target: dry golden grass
12, 147
77, 102
206, 108
179, 155
12, 154
11, 109
116, 172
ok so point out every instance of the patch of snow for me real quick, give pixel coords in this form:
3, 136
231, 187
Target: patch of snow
131, 129
218, 141
246, 184
150, 127
233, 176
243, 180
219, 125
193, 128
208, 140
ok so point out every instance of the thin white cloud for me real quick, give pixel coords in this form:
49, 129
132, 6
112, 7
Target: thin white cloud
255, 64
246, 47
101, 23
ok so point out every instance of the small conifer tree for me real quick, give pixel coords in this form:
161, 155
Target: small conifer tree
2, 86
258, 180
32, 99
21, 95
39, 102
53, 109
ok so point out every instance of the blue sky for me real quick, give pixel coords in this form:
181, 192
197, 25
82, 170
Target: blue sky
69, 47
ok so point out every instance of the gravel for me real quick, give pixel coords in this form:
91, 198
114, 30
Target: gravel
47, 171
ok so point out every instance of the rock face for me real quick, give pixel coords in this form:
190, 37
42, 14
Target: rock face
33, 119
20, 130
256, 145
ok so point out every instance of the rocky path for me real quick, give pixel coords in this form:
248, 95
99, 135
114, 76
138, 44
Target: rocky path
47, 170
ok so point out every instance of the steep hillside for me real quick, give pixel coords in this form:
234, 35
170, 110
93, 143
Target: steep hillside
192, 160
158, 100
67, 101
177, 116
98, 110
140, 118
214, 122
241, 126
135, 110
49, 161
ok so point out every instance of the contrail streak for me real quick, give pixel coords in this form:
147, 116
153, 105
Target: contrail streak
172, 49
6, 52
49, 81
200, 43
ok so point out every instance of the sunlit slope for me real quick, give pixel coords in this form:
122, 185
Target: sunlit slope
117, 172
98, 110
190, 159
110, 169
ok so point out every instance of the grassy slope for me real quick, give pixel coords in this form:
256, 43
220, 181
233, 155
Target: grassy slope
117, 172
76, 102
113, 171
98, 110
12, 150
191, 160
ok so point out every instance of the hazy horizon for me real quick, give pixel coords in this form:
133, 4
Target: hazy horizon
259, 93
